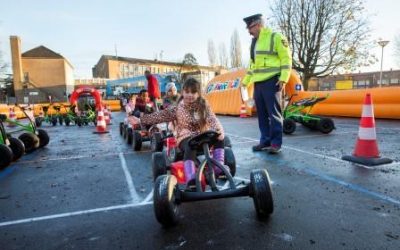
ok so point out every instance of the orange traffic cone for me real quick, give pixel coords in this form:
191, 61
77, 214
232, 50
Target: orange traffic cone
101, 123
107, 116
243, 111
366, 151
12, 118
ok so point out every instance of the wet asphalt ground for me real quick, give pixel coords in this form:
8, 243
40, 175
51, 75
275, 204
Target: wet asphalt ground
90, 191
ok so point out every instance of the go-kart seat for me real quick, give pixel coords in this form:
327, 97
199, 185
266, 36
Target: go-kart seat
209, 137
45, 108
57, 108
308, 101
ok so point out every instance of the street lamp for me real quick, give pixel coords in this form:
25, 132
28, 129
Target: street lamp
382, 43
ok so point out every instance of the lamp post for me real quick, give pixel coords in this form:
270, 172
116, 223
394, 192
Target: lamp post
382, 43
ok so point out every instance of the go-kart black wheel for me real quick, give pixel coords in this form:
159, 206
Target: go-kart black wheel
6, 156
156, 142
125, 133
165, 207
158, 164
261, 191
136, 141
43, 138
54, 120
326, 125
289, 126
67, 121
129, 136
121, 126
17, 148
230, 160
30, 140
227, 142
38, 121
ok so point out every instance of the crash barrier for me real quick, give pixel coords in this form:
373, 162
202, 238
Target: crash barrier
366, 151
223, 94
114, 105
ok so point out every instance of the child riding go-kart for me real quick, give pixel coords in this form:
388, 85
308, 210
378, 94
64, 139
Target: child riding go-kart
170, 190
299, 111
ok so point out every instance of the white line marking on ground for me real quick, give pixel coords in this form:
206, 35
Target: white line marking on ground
69, 158
63, 215
319, 135
314, 154
149, 196
128, 177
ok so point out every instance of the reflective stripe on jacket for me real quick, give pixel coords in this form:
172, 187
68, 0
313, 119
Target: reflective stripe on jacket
272, 57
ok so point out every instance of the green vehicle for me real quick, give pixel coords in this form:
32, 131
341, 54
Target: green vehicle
87, 117
11, 149
299, 111
32, 137
50, 118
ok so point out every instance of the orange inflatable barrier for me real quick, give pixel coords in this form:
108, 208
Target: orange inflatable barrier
223, 94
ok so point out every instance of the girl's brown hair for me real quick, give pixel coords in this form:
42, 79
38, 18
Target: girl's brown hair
194, 86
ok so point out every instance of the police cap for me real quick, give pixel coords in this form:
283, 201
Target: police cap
251, 19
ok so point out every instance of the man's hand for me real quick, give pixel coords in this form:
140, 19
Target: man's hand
281, 84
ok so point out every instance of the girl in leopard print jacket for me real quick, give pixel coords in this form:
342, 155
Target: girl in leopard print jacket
192, 116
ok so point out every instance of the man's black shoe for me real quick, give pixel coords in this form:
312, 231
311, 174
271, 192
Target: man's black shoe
260, 147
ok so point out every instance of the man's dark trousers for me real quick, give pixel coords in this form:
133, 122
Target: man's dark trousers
268, 98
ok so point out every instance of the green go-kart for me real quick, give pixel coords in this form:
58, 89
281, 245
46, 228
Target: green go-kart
299, 111
11, 149
50, 118
31, 136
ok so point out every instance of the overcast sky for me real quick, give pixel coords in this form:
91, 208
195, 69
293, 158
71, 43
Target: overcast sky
82, 31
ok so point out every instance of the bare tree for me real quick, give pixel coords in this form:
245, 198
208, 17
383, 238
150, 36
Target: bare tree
223, 55
325, 36
212, 57
236, 50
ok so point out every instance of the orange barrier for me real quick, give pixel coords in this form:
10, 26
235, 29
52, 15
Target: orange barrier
5, 109
340, 102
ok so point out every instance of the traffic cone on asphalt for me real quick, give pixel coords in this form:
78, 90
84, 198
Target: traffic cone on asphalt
101, 123
109, 112
366, 151
12, 117
107, 116
243, 111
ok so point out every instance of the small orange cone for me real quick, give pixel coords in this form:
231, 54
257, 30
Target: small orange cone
366, 151
101, 123
243, 111
12, 117
107, 116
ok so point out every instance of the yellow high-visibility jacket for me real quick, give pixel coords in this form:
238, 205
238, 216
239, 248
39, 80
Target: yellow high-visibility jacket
272, 57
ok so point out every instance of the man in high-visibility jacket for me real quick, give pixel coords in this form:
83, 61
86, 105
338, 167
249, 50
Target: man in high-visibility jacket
269, 71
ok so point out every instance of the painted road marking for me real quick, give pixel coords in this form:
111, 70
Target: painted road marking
324, 176
70, 158
63, 215
128, 177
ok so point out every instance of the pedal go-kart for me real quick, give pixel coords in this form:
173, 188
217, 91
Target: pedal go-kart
134, 133
11, 149
52, 118
32, 137
170, 189
299, 111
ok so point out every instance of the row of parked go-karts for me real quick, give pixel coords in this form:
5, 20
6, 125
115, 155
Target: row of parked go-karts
170, 188
30, 137
69, 117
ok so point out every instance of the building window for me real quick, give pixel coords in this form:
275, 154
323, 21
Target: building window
394, 81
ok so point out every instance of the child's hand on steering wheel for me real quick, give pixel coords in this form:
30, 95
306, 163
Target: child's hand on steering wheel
221, 136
